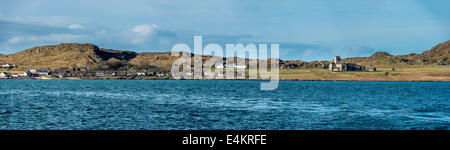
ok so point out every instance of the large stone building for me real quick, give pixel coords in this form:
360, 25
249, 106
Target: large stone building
337, 65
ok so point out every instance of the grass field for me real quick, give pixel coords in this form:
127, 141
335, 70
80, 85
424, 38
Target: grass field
383, 73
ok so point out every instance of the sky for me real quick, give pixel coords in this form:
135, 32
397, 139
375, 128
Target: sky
305, 29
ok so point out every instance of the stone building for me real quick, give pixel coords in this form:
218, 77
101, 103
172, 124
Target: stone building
337, 65
371, 69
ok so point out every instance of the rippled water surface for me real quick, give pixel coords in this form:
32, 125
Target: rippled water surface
170, 104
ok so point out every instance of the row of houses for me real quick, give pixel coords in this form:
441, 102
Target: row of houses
63, 75
39, 72
15, 75
127, 73
219, 75
232, 66
77, 72
7, 65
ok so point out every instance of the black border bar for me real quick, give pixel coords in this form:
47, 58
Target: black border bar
274, 138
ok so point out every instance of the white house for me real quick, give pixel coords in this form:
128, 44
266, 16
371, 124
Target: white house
25, 74
241, 67
4, 75
159, 74
8, 65
233, 66
38, 71
33, 70
105, 74
219, 66
140, 73
43, 73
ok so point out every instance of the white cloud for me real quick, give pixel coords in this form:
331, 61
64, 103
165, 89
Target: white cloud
141, 34
75, 26
47, 38
145, 30
102, 32
6, 18
52, 21
14, 40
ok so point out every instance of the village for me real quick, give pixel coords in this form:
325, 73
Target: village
88, 73
81, 72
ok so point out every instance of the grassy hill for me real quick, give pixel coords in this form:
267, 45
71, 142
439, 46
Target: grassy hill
90, 55
63, 55
80, 55
438, 55
431, 65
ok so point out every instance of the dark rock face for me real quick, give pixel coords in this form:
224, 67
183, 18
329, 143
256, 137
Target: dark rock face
107, 54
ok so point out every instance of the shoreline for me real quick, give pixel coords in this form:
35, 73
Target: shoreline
50, 78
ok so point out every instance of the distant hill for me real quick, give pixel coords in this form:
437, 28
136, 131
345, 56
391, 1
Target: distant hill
80, 55
438, 55
62, 55
90, 55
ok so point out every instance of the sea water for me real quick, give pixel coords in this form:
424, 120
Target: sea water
223, 104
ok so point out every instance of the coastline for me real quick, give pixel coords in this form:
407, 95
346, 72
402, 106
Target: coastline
348, 80
383, 74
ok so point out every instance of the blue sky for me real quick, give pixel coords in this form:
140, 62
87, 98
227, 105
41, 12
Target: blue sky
305, 29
